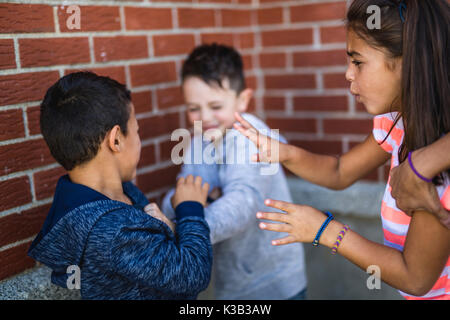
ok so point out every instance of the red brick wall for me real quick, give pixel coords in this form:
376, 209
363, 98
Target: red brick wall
294, 59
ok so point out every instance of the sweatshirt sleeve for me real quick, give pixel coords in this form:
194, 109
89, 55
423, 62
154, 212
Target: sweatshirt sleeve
244, 189
150, 254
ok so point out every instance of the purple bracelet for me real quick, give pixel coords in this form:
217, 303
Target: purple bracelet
415, 171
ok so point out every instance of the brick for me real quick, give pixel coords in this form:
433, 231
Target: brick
15, 260
55, 51
18, 18
335, 81
220, 38
92, 18
11, 124
333, 34
274, 103
148, 18
22, 225
165, 149
173, 44
148, 156
318, 12
287, 37
7, 55
116, 73
236, 18
290, 81
320, 58
26, 87
158, 125
347, 126
120, 48
272, 60
33, 116
251, 82
319, 146
247, 60
196, 18
246, 40
270, 16
153, 73
292, 125
321, 103
45, 182
24, 155
142, 101
15, 192
169, 97
158, 179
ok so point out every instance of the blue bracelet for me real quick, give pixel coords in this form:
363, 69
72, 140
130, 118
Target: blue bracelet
315, 243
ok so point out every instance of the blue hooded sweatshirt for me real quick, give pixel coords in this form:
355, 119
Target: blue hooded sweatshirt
122, 252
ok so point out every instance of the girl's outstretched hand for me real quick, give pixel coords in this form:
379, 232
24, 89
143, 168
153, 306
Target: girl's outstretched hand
269, 149
300, 222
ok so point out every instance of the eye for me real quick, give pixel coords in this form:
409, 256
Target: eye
193, 109
216, 107
356, 63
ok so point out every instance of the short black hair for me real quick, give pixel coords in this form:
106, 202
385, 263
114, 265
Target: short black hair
78, 111
213, 63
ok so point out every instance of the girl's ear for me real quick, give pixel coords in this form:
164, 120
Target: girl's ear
244, 99
113, 139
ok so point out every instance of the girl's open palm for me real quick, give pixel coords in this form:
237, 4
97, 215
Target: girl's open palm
269, 149
300, 222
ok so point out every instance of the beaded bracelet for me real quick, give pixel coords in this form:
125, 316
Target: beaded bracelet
415, 171
339, 239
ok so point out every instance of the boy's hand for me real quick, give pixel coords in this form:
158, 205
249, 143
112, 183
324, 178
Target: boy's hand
190, 189
153, 210
270, 150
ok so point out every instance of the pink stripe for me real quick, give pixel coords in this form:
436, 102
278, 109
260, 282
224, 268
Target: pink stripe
394, 216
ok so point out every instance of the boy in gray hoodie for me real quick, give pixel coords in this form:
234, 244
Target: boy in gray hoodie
246, 265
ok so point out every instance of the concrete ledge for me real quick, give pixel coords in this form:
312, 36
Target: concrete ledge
362, 200
34, 284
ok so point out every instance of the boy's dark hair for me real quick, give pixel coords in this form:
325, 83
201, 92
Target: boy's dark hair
78, 111
214, 63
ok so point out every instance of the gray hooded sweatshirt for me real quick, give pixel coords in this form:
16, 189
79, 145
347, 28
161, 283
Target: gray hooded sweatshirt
246, 265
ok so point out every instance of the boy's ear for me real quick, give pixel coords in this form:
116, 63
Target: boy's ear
244, 99
113, 139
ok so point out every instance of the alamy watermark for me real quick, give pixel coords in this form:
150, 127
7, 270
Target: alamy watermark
374, 20
374, 280
229, 148
74, 278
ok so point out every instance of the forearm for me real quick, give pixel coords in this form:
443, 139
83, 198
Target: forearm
413, 270
434, 158
364, 253
319, 169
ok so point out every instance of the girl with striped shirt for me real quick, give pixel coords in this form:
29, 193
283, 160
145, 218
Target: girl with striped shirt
400, 73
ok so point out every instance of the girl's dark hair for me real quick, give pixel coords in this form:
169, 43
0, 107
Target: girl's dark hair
213, 63
78, 111
422, 41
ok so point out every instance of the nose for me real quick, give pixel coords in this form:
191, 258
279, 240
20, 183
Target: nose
349, 74
206, 115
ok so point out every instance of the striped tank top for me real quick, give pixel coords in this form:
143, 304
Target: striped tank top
395, 222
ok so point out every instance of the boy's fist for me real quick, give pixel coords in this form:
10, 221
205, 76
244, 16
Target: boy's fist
190, 189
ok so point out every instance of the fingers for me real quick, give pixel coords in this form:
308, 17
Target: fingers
273, 216
278, 204
242, 121
282, 241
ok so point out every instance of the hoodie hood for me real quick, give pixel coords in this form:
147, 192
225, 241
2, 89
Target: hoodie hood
63, 237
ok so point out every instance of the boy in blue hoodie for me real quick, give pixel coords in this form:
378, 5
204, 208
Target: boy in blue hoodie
97, 221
